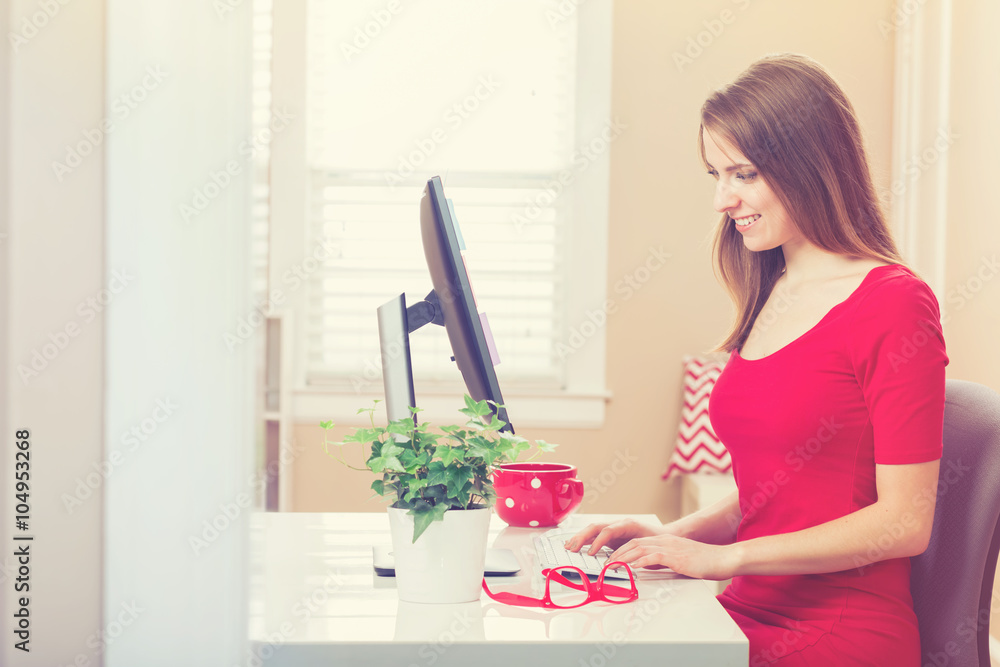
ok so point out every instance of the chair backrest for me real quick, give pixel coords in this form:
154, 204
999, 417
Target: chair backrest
952, 582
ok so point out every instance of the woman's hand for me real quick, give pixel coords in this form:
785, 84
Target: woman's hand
684, 556
613, 535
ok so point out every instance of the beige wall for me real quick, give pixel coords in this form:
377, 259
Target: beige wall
973, 319
660, 196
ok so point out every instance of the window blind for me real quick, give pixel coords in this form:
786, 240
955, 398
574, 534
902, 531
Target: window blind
261, 115
482, 94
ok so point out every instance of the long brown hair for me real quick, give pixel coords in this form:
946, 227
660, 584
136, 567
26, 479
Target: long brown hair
792, 121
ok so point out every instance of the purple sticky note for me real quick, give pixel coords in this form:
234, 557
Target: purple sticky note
489, 339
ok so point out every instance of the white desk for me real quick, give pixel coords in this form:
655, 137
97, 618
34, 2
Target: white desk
315, 600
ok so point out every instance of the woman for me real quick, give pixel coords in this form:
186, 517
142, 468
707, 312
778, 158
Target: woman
832, 401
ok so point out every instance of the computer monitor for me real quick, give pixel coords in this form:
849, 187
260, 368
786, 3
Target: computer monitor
452, 303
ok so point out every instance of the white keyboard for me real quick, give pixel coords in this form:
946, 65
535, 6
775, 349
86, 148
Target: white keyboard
551, 553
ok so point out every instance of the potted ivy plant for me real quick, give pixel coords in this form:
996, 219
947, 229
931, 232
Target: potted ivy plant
440, 489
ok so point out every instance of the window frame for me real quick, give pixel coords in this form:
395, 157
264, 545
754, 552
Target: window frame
581, 403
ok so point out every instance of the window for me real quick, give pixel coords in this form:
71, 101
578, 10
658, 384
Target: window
502, 100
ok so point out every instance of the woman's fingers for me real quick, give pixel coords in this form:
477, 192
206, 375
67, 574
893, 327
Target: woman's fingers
585, 536
626, 552
615, 531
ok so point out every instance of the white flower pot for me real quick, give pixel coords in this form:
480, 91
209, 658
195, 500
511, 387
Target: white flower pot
445, 565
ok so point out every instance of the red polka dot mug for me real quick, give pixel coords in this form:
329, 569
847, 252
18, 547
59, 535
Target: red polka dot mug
533, 495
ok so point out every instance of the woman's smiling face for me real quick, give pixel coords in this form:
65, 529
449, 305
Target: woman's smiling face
742, 194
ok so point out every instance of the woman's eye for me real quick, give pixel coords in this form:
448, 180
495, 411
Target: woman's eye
746, 176
712, 172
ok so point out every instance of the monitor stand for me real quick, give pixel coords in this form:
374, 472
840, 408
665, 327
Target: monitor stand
395, 323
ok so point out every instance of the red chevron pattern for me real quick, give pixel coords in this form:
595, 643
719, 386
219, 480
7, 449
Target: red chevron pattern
698, 448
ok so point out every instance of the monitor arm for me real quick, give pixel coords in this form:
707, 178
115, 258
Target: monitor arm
427, 311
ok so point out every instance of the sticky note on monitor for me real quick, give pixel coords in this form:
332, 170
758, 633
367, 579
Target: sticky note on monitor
458, 229
489, 339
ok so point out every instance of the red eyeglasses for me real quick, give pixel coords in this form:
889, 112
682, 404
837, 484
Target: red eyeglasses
599, 590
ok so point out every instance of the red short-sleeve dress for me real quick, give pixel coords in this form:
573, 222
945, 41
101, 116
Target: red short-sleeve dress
806, 426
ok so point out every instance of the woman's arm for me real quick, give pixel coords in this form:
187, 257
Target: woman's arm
715, 524
897, 525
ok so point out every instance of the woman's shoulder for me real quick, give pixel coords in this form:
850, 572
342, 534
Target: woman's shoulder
893, 295
888, 285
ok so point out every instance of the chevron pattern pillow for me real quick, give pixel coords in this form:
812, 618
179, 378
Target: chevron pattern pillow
698, 448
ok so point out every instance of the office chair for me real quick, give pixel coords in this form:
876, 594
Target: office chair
952, 582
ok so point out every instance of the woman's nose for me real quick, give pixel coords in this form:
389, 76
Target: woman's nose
725, 199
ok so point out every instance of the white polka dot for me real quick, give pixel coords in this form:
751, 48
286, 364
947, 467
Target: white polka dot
535, 483
532, 523
509, 502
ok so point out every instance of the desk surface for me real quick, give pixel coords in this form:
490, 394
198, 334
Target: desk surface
314, 599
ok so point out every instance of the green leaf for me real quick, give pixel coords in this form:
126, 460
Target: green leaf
428, 439
457, 479
390, 448
326, 425
414, 487
437, 493
401, 426
437, 473
496, 423
411, 461
464, 495
423, 515
545, 446
363, 435
378, 486
385, 463
449, 455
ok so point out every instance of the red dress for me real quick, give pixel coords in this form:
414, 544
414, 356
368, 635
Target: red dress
805, 427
